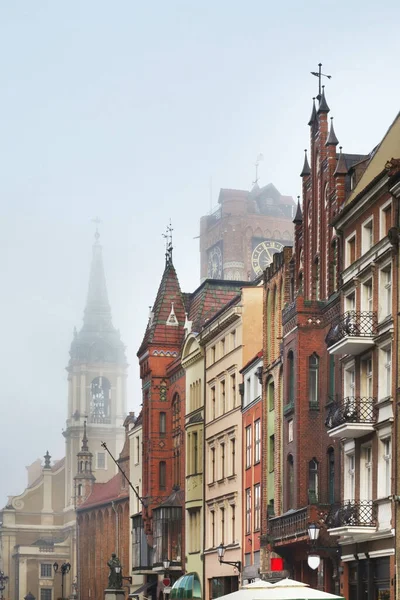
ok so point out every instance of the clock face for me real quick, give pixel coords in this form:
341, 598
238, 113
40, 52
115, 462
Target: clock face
214, 263
262, 255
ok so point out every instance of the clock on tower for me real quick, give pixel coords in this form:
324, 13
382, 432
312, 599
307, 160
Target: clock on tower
262, 254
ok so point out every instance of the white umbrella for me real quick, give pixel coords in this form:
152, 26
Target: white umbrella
286, 589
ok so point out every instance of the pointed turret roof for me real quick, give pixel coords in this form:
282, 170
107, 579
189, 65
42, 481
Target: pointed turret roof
169, 298
313, 117
298, 218
323, 105
341, 167
332, 139
306, 167
84, 447
98, 340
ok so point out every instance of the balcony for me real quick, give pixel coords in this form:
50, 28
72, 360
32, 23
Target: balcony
351, 417
353, 333
352, 519
289, 526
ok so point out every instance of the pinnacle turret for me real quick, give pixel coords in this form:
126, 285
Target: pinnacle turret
306, 167
298, 218
332, 139
313, 117
323, 105
341, 167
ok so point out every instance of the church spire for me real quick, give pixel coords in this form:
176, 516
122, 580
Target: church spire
97, 314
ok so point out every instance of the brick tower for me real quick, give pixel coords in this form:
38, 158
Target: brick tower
237, 241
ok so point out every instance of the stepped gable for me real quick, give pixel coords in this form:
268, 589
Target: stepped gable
209, 298
158, 332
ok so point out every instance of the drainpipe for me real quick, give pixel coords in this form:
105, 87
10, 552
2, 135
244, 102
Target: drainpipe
116, 528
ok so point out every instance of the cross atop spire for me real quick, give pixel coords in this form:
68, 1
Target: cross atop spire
168, 244
319, 74
259, 158
97, 222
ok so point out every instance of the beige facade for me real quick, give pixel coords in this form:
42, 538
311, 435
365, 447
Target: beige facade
135, 476
193, 363
229, 340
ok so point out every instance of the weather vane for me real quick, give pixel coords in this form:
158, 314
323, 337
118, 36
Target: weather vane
259, 158
97, 222
168, 243
320, 75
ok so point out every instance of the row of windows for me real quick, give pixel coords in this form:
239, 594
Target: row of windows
253, 509
312, 377
222, 398
222, 461
313, 478
195, 399
225, 345
223, 526
365, 380
252, 389
369, 234
249, 443
367, 295
365, 466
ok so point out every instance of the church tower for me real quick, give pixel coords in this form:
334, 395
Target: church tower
97, 373
84, 478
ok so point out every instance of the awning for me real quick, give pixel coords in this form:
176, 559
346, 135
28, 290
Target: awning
187, 587
142, 588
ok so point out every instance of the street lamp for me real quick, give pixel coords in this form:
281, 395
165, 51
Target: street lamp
166, 562
313, 559
221, 553
64, 569
3, 581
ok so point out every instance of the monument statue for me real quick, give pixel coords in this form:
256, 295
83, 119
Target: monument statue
115, 576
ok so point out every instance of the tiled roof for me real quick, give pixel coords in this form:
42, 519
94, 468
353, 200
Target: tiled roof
104, 493
158, 332
209, 298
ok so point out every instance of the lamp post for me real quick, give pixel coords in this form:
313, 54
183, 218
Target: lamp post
221, 553
313, 559
64, 569
3, 581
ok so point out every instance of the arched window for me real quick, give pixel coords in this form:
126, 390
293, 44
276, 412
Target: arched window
270, 356
162, 475
290, 375
270, 394
331, 476
313, 481
163, 423
290, 481
313, 372
100, 392
317, 279
79, 490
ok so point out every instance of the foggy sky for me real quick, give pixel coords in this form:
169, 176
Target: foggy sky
125, 110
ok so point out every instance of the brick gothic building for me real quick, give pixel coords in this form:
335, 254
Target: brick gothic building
310, 475
158, 531
102, 521
237, 241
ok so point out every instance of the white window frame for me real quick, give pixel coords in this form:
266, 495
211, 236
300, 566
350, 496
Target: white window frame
386, 291
382, 218
367, 238
348, 242
51, 570
350, 475
385, 372
257, 441
249, 443
97, 461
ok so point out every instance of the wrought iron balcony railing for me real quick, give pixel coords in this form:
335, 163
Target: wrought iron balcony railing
352, 323
352, 513
353, 409
289, 525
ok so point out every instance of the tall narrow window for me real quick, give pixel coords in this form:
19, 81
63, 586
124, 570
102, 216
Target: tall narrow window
271, 453
222, 446
233, 456
385, 296
270, 394
290, 373
331, 476
313, 368
257, 441
331, 391
233, 390
176, 439
387, 458
162, 475
222, 516
350, 477
233, 523
223, 404
290, 478
317, 280
248, 446
313, 481
233, 339
257, 506
163, 423
334, 265
248, 510
386, 220
212, 465
213, 403
212, 529
195, 453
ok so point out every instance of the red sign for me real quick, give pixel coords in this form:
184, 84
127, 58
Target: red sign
166, 581
276, 564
